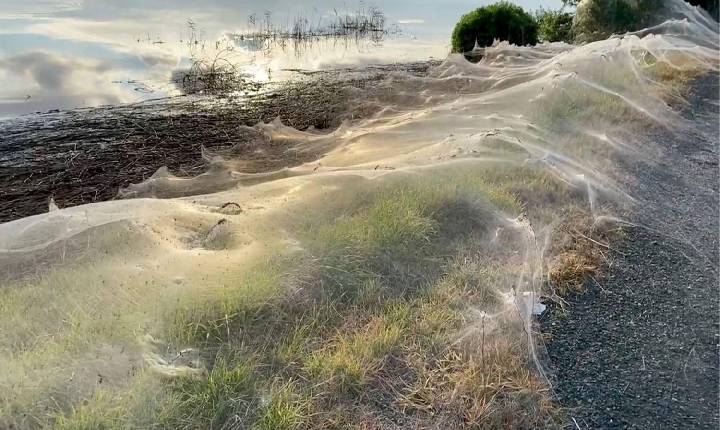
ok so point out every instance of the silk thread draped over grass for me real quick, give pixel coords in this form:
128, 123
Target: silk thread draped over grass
363, 326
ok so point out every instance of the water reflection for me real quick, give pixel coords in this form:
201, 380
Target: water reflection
69, 53
364, 24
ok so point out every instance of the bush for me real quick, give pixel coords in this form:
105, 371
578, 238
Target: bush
555, 25
502, 21
599, 19
711, 6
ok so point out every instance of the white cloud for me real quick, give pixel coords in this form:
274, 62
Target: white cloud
50, 71
23, 8
159, 59
52, 81
411, 21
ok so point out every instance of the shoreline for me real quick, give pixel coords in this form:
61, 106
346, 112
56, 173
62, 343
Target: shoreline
87, 155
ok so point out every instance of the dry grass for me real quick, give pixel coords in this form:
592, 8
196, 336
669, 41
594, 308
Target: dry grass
579, 252
393, 316
467, 389
396, 313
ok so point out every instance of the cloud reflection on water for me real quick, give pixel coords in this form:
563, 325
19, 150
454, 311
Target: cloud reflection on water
72, 53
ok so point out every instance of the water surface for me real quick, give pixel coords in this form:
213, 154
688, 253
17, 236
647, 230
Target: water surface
58, 54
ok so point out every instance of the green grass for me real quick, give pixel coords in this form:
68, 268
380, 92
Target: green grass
394, 222
285, 409
478, 280
349, 360
343, 332
218, 312
228, 390
577, 103
91, 418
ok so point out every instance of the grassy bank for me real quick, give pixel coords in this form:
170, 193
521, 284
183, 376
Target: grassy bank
397, 310
398, 299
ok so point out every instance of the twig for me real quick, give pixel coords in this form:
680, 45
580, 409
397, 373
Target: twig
576, 423
599, 243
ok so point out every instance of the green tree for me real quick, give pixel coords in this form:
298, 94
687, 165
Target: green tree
555, 25
502, 21
712, 6
598, 19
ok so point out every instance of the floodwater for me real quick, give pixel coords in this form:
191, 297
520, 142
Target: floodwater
59, 54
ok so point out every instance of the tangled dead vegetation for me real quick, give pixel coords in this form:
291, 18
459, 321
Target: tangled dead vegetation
580, 251
86, 155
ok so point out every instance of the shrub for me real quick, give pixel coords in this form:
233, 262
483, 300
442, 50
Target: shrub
502, 21
599, 19
555, 25
711, 6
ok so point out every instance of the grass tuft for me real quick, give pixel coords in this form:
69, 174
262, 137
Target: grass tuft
349, 360
579, 251
209, 402
285, 409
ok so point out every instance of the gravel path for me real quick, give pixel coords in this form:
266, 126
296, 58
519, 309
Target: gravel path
641, 349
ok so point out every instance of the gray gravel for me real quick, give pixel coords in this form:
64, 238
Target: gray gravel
640, 349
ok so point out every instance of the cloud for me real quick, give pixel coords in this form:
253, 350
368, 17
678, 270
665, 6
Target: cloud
159, 59
24, 8
411, 21
53, 81
50, 71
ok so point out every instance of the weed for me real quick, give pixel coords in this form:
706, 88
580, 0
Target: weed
349, 359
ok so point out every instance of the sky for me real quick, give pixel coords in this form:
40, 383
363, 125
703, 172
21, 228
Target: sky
59, 54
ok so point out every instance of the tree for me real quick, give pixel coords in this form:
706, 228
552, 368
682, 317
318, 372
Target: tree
501, 21
598, 19
712, 6
555, 25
